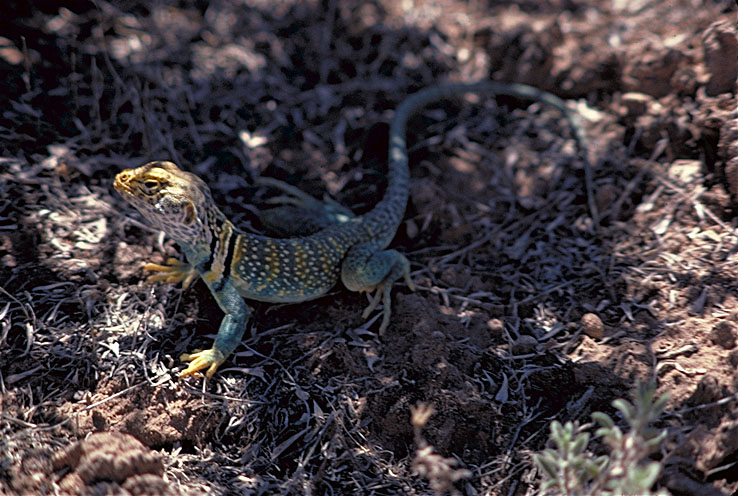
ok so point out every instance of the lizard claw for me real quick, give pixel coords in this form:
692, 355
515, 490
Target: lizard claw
373, 301
409, 281
172, 272
202, 359
383, 294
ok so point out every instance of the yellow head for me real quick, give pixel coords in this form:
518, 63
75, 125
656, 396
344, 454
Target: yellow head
177, 202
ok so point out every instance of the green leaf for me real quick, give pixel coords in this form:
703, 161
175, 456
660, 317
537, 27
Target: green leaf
580, 443
593, 468
652, 444
646, 475
547, 462
628, 410
602, 462
603, 419
558, 433
660, 404
614, 435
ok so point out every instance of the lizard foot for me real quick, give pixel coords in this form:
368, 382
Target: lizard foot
202, 359
299, 214
297, 197
366, 269
173, 272
383, 293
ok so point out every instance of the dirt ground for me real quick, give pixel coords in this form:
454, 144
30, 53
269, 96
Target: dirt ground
513, 236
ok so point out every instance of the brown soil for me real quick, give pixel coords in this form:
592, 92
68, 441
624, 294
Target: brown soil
546, 288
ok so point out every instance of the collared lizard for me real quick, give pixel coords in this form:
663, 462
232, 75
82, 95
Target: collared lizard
237, 265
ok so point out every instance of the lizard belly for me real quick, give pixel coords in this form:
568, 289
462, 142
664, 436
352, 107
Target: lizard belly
286, 270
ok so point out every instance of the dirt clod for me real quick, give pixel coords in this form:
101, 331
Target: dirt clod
720, 45
109, 457
547, 285
724, 334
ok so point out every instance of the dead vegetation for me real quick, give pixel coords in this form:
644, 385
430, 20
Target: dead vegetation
543, 292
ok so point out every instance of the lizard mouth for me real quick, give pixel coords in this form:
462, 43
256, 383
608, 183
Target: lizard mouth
120, 184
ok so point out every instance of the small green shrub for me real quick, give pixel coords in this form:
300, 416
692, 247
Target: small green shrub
569, 469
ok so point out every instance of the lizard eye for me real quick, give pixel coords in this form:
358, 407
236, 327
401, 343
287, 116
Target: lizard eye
150, 184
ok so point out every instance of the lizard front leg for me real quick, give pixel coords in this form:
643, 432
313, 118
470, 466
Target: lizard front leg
367, 268
229, 335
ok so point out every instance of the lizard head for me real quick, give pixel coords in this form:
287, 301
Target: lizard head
175, 201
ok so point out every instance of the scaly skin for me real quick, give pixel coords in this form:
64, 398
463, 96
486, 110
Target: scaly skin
237, 265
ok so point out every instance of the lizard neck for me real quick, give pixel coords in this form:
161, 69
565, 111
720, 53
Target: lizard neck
201, 249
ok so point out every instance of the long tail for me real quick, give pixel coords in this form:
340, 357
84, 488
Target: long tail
389, 211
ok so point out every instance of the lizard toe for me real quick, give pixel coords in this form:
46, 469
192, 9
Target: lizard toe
199, 360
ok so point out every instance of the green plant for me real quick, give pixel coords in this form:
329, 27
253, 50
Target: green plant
569, 469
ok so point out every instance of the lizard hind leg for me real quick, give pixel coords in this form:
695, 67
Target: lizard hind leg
299, 214
365, 269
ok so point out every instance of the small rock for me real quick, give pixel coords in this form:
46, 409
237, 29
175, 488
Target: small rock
734, 382
723, 334
524, 344
592, 326
606, 195
496, 327
636, 103
708, 390
456, 276
733, 358
651, 69
720, 48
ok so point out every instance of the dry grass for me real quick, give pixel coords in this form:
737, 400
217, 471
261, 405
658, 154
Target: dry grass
511, 243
